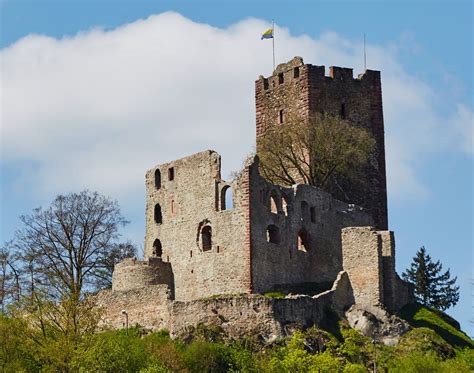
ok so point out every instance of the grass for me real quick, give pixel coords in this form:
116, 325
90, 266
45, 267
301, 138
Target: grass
275, 294
447, 328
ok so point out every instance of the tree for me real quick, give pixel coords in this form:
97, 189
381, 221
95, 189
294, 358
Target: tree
319, 152
432, 287
68, 247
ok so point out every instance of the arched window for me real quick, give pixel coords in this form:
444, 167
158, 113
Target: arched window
274, 202
303, 240
227, 201
157, 214
157, 249
206, 238
305, 211
157, 179
273, 234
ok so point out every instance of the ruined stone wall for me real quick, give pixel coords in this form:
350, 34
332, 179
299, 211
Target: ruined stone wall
147, 307
191, 197
302, 211
133, 274
237, 315
369, 260
362, 260
357, 100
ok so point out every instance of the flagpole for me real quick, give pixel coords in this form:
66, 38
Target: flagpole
365, 56
273, 42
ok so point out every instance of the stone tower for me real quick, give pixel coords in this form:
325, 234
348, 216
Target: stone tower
297, 90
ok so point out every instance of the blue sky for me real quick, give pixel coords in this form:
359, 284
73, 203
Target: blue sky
93, 93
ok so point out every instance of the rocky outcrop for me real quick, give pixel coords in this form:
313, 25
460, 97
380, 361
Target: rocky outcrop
377, 323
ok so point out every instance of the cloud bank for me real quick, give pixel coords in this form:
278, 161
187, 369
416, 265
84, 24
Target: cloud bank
98, 109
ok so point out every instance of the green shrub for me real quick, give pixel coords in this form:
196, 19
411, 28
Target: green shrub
113, 351
164, 352
201, 356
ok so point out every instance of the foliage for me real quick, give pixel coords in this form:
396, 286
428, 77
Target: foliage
325, 149
444, 326
111, 351
23, 347
432, 287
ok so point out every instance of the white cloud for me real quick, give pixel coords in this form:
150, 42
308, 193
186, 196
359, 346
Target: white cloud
98, 109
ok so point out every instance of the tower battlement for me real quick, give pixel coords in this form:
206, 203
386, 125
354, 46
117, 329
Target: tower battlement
299, 90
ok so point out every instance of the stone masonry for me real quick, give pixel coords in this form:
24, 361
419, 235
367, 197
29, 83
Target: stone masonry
297, 90
214, 247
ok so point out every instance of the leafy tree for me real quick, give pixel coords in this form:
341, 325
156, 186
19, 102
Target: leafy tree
432, 287
320, 152
70, 246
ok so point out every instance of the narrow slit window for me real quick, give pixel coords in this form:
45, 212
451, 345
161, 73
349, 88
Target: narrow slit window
313, 214
157, 179
171, 173
280, 117
157, 214
342, 112
265, 84
296, 72
281, 79
157, 249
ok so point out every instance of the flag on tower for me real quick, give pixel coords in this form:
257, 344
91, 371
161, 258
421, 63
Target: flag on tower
267, 34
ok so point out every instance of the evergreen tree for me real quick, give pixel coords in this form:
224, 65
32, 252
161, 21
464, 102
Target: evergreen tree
432, 287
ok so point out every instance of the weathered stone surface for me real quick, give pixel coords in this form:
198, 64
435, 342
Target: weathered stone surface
376, 323
237, 315
201, 249
296, 90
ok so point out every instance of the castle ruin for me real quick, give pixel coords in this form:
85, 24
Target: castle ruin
214, 247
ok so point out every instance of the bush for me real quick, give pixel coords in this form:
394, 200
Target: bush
113, 351
202, 356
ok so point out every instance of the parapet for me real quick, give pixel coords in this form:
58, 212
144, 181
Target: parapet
133, 274
296, 69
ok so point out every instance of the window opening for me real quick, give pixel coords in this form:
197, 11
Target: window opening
313, 214
273, 202
303, 241
273, 234
157, 249
342, 112
296, 72
280, 117
171, 173
284, 206
227, 201
265, 84
280, 78
157, 214
206, 238
157, 179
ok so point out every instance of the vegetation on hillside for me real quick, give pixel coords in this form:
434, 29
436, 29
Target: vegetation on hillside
434, 345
